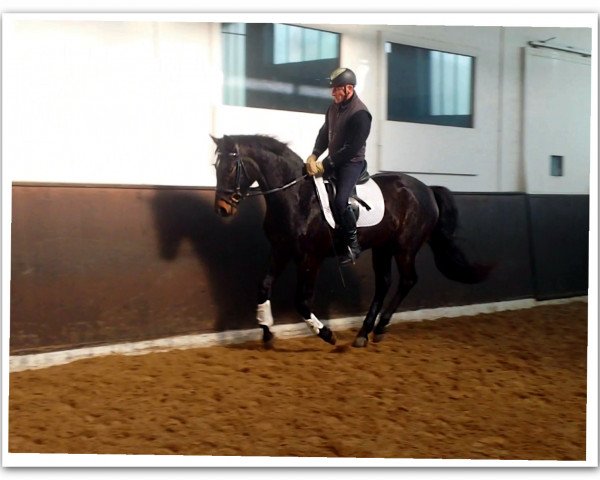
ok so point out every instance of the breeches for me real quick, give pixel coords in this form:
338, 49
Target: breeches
347, 175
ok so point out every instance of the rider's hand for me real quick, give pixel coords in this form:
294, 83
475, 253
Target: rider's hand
320, 169
311, 165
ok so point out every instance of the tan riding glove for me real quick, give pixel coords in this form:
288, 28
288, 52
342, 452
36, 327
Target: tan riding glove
313, 167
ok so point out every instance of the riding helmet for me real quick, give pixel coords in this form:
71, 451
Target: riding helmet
342, 76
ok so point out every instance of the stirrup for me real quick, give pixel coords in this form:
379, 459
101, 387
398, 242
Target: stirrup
350, 257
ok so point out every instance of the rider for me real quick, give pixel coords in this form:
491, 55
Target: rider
344, 133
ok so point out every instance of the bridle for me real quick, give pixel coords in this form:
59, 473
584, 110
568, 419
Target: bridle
236, 195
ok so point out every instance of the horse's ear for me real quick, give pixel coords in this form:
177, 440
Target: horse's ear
216, 140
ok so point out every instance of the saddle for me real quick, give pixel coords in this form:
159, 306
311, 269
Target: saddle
366, 200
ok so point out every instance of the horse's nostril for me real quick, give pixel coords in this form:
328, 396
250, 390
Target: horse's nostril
224, 208
222, 212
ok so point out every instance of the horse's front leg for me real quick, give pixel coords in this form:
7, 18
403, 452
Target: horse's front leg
305, 287
264, 316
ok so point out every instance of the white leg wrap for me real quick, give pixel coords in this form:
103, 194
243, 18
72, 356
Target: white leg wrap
264, 315
314, 324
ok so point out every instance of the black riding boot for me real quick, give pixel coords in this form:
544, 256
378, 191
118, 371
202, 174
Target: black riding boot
350, 236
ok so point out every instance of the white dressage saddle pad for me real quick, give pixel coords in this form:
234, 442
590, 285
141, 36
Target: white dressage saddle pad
369, 192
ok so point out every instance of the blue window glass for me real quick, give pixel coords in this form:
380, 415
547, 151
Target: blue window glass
429, 86
276, 66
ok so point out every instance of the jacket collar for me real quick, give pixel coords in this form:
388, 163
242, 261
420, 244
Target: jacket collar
344, 105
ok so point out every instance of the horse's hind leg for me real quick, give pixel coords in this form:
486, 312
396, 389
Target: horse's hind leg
381, 259
408, 279
264, 316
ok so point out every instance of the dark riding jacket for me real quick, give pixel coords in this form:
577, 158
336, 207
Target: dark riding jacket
345, 131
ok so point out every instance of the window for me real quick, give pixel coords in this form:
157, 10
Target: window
556, 165
297, 44
429, 86
278, 66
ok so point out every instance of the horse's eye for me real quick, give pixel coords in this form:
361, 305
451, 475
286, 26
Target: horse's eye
233, 154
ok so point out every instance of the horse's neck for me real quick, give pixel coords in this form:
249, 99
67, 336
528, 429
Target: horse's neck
277, 173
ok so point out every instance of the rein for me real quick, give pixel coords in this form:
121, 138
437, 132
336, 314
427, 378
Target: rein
255, 192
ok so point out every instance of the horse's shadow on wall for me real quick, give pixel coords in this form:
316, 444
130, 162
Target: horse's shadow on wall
234, 253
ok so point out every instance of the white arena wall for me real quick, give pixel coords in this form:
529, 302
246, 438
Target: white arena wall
134, 102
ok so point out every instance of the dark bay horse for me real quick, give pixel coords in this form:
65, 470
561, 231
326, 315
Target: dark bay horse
296, 229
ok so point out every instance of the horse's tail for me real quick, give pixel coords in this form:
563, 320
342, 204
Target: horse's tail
449, 258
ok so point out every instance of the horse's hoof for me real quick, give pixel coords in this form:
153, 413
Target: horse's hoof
326, 334
268, 338
379, 333
360, 342
378, 337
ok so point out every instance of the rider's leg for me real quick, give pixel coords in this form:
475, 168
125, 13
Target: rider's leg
347, 176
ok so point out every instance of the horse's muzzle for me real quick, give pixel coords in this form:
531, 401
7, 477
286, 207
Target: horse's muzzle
223, 208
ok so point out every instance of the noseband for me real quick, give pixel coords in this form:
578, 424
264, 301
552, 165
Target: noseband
236, 194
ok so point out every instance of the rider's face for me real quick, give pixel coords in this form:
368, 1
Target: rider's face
341, 93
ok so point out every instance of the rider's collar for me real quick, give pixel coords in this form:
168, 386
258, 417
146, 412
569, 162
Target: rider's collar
345, 103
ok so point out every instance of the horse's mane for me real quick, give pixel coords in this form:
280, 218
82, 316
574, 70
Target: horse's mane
265, 142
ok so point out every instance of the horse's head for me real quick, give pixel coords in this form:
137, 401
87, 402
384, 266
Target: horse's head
233, 180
